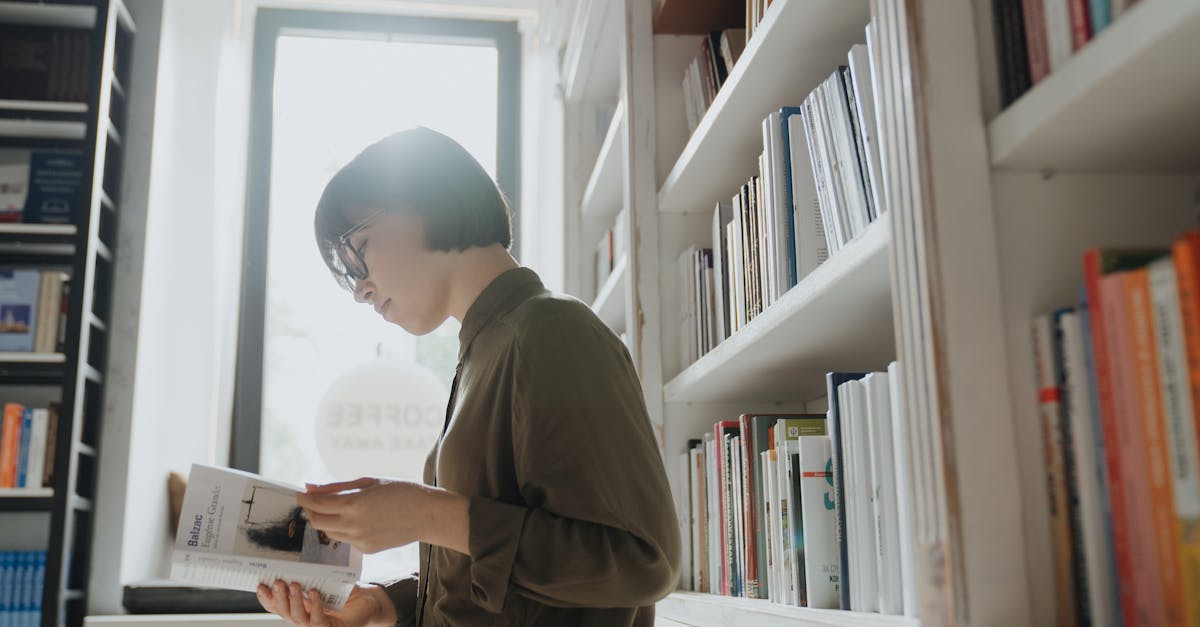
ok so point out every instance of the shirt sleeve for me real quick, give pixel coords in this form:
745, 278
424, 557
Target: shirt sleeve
598, 526
403, 594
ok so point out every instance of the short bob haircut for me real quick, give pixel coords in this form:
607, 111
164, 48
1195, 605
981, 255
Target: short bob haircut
416, 171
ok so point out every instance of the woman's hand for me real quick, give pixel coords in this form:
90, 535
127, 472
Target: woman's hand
367, 605
376, 514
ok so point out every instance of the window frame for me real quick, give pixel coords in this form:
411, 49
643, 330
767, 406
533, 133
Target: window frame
246, 429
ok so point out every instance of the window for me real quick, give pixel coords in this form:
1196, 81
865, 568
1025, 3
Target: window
325, 388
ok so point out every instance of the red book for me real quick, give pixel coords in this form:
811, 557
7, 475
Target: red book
1034, 12
1081, 23
1096, 263
1186, 254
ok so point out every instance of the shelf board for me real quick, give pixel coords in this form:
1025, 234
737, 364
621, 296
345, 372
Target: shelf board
610, 300
43, 129
692, 17
43, 106
32, 358
802, 41
26, 499
602, 196
1126, 102
591, 64
698, 608
839, 317
46, 14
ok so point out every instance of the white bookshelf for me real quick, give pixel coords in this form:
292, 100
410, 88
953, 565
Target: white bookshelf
781, 356
602, 194
48, 14
45, 106
26, 493
697, 608
610, 299
590, 61
1123, 103
797, 45
32, 358
17, 228
44, 129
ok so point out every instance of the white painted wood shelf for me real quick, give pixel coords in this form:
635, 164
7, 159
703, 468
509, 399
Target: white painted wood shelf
48, 14
591, 61
26, 493
46, 129
704, 610
610, 299
32, 358
797, 45
17, 228
46, 106
1126, 102
602, 196
839, 317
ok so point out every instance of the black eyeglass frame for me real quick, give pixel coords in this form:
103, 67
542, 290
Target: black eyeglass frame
354, 267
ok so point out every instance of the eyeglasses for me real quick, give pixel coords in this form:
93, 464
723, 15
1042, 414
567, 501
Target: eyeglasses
351, 259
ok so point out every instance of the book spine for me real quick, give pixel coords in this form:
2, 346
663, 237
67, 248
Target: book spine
834, 428
37, 449
23, 448
1058, 32
1181, 441
1012, 53
749, 499
1071, 474
8, 445
1035, 39
1100, 12
817, 513
1081, 23
1056, 482
1131, 438
1111, 434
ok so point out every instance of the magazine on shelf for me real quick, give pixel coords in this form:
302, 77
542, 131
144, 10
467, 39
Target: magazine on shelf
237, 530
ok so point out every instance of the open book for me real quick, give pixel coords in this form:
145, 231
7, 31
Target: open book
237, 530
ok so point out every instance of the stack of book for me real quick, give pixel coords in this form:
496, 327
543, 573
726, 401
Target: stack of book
610, 249
805, 509
21, 579
33, 309
44, 63
755, 10
27, 436
40, 186
818, 187
703, 78
1118, 380
1036, 37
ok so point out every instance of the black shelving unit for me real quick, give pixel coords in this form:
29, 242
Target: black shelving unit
85, 250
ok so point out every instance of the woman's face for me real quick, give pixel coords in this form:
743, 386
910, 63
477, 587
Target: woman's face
406, 283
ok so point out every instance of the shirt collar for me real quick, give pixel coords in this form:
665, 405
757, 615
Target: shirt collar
505, 292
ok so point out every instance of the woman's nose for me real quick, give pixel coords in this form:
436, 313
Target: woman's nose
363, 291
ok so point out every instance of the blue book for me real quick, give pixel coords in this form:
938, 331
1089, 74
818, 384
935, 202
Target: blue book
23, 572
6, 581
23, 450
55, 187
833, 427
1100, 12
18, 309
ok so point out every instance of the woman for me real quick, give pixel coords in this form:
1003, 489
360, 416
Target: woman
545, 500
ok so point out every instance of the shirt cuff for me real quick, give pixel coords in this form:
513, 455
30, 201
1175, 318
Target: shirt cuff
403, 594
494, 534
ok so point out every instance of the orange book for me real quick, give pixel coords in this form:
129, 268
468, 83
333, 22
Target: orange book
1144, 575
1119, 469
1186, 257
1148, 393
10, 440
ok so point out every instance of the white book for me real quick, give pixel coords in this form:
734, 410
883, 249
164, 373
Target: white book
812, 249
879, 97
683, 514
738, 261
712, 485
685, 306
238, 530
768, 498
835, 167
904, 527
820, 178
786, 550
852, 174
883, 480
695, 518
864, 97
850, 488
721, 217
36, 467
817, 514
1059, 43
688, 114
864, 501
796, 522
1089, 473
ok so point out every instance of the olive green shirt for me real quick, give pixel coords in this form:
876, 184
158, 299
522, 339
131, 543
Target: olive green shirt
571, 517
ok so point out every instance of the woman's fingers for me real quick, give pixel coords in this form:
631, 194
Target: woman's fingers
296, 605
324, 522
316, 614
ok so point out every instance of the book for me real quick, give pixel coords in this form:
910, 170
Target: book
883, 486
819, 523
860, 498
18, 309
1012, 53
10, 439
1034, 13
904, 528
237, 530
1081, 23
1058, 32
834, 424
811, 247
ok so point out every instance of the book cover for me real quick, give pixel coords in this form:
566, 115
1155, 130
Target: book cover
833, 426
1012, 53
1097, 263
861, 498
37, 448
868, 125
1081, 23
1058, 32
1035, 39
1089, 477
821, 570
10, 434
18, 309
14, 183
238, 530
904, 489
857, 143
883, 486
1147, 392
1181, 439
1131, 437
55, 187
808, 229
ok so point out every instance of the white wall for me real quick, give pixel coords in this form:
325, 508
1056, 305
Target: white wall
170, 380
